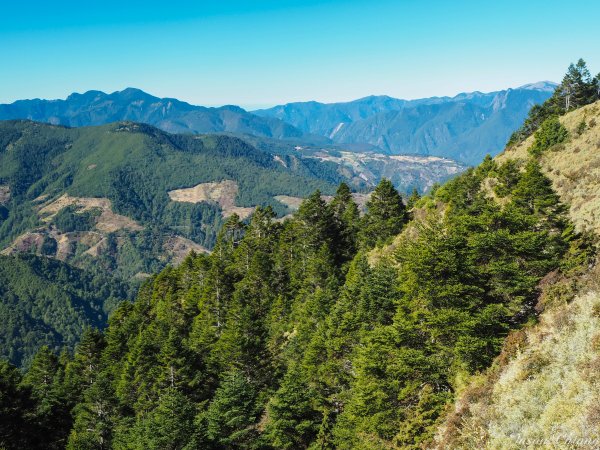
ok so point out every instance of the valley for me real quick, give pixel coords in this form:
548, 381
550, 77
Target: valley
118, 196
463, 128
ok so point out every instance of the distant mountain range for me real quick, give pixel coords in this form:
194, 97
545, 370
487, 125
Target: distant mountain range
168, 114
463, 128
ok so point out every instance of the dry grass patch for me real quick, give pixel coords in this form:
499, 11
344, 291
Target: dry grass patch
222, 192
27, 242
107, 221
177, 248
574, 167
544, 393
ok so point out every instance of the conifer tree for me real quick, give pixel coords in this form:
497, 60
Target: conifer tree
95, 417
347, 219
52, 412
230, 420
534, 193
578, 88
168, 426
386, 215
293, 419
413, 199
81, 372
16, 430
316, 228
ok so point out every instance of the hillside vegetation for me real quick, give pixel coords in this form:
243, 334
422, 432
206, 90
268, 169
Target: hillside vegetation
100, 196
467, 318
543, 391
46, 302
286, 337
573, 165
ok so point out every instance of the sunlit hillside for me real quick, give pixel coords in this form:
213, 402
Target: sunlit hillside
573, 166
543, 391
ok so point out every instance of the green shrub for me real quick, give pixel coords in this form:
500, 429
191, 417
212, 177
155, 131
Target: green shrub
550, 133
49, 246
69, 219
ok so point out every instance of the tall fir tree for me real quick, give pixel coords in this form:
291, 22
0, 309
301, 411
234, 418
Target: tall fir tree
385, 217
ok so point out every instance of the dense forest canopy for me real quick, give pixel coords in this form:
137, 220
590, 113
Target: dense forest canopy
133, 167
287, 337
47, 302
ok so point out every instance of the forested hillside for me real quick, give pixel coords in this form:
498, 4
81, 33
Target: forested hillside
46, 302
104, 200
287, 337
100, 196
543, 390
446, 321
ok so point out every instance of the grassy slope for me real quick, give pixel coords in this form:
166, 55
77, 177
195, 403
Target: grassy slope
543, 391
574, 167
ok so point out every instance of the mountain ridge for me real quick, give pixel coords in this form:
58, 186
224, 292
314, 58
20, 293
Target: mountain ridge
369, 123
376, 121
555, 358
131, 104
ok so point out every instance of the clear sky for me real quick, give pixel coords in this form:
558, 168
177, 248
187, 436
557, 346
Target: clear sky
257, 53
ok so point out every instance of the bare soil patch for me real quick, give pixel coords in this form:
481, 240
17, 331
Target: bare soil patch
222, 192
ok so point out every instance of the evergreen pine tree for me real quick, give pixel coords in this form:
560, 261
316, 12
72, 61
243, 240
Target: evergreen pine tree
16, 406
386, 215
413, 199
52, 412
168, 426
347, 220
81, 372
230, 420
293, 419
95, 417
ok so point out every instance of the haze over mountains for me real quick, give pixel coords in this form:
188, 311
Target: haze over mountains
463, 128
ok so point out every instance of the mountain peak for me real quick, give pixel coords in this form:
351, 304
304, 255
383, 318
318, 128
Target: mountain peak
86, 96
545, 86
132, 94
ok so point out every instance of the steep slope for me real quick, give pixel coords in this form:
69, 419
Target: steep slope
168, 114
286, 337
573, 166
94, 194
463, 128
543, 392
46, 302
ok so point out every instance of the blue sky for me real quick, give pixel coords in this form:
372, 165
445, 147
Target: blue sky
258, 53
